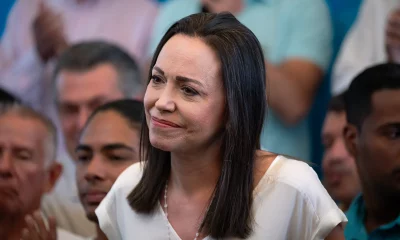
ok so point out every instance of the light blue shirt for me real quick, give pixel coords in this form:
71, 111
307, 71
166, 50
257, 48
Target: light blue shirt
286, 29
355, 229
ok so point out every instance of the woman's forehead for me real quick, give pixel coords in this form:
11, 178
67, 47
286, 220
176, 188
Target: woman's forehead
189, 57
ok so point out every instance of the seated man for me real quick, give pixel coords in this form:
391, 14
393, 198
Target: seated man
340, 172
27, 168
373, 138
87, 75
104, 151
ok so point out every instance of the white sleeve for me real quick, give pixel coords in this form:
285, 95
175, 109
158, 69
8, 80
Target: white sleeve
296, 205
328, 214
314, 213
363, 46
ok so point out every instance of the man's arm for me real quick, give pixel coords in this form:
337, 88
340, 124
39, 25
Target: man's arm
291, 88
292, 83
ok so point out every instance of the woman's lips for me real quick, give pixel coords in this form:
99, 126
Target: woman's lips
163, 123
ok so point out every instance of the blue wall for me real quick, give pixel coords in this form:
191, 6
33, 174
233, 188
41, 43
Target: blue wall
5, 6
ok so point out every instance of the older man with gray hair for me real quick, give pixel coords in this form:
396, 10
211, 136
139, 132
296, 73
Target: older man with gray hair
87, 75
27, 168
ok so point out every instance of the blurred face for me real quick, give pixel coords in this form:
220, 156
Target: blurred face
340, 171
79, 93
23, 177
185, 99
377, 145
107, 147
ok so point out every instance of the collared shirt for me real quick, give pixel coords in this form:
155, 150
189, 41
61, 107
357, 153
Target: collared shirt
355, 229
283, 29
364, 45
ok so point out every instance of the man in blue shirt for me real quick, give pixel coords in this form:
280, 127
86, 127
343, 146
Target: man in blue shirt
373, 137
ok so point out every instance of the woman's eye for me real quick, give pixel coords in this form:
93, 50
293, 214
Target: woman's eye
156, 80
189, 91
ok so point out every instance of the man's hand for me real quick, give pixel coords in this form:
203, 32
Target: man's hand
36, 228
48, 33
393, 36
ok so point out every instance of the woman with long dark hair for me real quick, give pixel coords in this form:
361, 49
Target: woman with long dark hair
202, 173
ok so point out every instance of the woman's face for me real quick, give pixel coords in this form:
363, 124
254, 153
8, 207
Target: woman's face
185, 99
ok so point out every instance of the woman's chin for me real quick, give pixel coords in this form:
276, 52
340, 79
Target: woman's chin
162, 145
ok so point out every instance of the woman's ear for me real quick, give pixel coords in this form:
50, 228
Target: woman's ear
53, 174
350, 134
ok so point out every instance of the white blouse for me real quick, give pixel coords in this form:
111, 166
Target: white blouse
289, 203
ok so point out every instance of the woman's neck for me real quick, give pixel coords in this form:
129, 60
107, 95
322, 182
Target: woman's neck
191, 173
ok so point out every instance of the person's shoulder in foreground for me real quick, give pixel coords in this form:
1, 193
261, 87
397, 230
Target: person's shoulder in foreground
288, 197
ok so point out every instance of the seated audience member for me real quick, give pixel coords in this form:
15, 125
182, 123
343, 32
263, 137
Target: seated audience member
108, 145
340, 172
27, 169
86, 76
373, 137
38, 31
374, 38
6, 97
296, 56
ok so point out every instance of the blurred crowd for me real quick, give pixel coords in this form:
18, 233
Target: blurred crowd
73, 74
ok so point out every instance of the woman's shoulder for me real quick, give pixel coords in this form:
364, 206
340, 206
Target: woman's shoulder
295, 190
293, 172
294, 175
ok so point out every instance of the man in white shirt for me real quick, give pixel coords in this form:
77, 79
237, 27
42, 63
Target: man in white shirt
86, 76
37, 31
27, 168
373, 39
